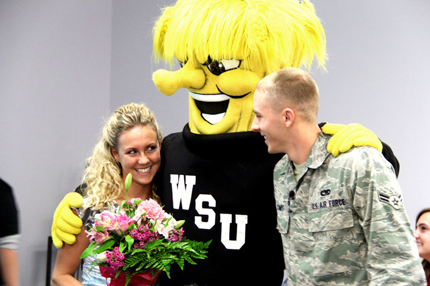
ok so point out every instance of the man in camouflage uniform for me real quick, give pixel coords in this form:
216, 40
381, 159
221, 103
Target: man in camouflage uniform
341, 219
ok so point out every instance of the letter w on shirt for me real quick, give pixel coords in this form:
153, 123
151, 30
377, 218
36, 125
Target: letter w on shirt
182, 189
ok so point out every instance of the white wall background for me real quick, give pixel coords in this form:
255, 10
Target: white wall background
66, 64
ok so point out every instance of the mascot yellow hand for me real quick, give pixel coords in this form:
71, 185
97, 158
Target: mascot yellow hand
345, 137
66, 224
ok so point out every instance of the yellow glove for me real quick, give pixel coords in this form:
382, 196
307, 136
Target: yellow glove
345, 137
66, 224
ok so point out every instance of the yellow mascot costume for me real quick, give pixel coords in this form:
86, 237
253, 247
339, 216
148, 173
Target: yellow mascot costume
216, 174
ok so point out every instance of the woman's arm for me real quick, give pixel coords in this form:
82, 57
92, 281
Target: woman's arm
68, 260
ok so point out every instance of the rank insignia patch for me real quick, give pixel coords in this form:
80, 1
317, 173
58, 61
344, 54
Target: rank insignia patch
394, 201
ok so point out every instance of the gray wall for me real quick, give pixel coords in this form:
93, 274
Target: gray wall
378, 75
55, 66
65, 65
133, 64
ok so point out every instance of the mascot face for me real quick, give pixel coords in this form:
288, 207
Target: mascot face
224, 103
220, 94
225, 47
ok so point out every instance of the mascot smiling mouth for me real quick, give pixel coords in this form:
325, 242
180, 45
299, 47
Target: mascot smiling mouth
213, 106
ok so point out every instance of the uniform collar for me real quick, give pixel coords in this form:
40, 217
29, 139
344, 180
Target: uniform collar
316, 158
318, 152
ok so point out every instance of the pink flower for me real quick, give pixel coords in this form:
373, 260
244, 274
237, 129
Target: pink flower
151, 209
114, 222
161, 229
104, 219
177, 235
121, 224
115, 258
165, 226
98, 236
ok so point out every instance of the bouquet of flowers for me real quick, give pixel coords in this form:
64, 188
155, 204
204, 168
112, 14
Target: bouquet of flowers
137, 243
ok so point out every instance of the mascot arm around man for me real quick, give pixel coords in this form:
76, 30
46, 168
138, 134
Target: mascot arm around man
216, 174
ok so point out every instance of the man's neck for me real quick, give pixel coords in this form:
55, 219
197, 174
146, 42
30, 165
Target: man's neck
302, 143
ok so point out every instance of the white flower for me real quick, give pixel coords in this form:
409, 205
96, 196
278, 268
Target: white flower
102, 256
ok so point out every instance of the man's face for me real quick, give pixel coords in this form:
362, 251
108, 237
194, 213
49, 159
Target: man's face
270, 123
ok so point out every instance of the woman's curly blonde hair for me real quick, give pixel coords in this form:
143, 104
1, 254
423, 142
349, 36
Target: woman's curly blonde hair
103, 175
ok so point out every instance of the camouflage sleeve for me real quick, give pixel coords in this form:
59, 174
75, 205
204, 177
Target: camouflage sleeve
392, 251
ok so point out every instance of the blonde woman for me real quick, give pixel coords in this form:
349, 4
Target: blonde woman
130, 143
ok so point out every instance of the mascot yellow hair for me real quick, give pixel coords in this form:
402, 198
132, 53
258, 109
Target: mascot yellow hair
267, 35
211, 37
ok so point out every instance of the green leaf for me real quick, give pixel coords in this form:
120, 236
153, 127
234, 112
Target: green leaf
129, 241
127, 278
94, 248
137, 202
89, 250
167, 222
122, 246
105, 246
181, 264
131, 227
121, 205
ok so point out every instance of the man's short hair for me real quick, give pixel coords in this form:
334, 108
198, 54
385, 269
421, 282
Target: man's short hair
292, 87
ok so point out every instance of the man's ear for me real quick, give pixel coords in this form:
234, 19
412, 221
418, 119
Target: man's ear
289, 116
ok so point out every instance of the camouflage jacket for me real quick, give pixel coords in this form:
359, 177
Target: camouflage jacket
343, 222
